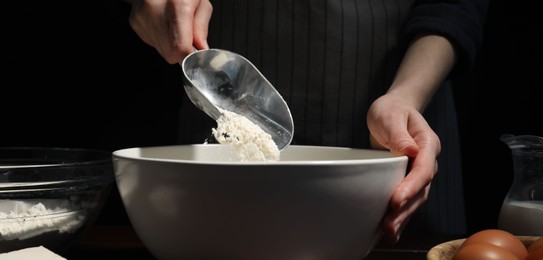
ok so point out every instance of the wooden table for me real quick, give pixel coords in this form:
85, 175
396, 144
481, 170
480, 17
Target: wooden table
115, 243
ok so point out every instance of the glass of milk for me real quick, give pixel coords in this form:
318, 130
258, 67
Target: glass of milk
522, 209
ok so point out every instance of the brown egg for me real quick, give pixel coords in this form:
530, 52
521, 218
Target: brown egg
535, 254
501, 239
537, 243
485, 251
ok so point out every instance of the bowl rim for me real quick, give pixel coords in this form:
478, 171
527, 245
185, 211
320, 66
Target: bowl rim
105, 157
132, 154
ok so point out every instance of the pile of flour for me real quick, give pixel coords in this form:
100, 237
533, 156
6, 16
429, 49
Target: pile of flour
37, 252
22, 219
248, 140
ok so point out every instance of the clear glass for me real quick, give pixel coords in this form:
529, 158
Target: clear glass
50, 196
522, 208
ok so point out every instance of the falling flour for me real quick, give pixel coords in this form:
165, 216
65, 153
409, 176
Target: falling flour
25, 219
248, 140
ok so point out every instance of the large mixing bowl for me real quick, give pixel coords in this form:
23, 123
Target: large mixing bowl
50, 196
200, 202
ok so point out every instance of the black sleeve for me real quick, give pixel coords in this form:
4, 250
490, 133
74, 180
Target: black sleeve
460, 21
119, 10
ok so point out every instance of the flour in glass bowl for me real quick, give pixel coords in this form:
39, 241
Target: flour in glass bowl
23, 219
248, 140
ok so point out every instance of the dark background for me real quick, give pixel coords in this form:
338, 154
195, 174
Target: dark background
73, 76
504, 95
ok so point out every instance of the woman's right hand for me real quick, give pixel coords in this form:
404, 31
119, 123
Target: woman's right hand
173, 27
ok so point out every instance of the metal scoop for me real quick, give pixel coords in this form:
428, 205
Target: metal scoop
216, 78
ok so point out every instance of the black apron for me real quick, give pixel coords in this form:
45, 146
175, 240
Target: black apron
330, 60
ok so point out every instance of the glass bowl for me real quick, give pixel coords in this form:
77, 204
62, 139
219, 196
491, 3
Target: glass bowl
50, 196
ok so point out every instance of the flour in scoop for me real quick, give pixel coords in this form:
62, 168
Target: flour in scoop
248, 140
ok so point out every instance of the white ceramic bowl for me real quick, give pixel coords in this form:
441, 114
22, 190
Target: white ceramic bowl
199, 202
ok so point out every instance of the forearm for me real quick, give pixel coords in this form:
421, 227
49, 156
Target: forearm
426, 64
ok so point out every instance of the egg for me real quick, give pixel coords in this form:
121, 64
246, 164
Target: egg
535, 254
485, 251
537, 243
499, 238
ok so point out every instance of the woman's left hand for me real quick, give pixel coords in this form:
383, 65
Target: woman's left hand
395, 124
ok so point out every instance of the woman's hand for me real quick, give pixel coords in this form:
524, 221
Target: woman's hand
395, 124
175, 28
